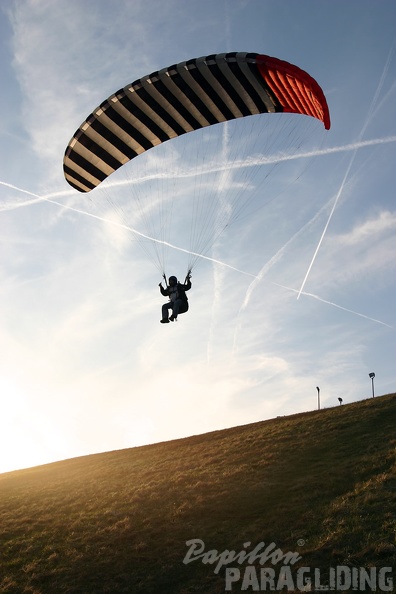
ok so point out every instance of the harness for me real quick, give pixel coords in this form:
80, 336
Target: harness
173, 293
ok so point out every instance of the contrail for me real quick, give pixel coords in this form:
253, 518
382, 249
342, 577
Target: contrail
258, 278
216, 261
356, 313
250, 162
186, 173
374, 104
276, 257
327, 224
217, 275
144, 236
38, 199
20, 204
366, 123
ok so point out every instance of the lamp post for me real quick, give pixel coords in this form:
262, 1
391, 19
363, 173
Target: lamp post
372, 376
318, 389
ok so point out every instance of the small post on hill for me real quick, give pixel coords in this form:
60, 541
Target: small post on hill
318, 389
372, 376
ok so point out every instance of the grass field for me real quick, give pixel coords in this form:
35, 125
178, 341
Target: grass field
321, 485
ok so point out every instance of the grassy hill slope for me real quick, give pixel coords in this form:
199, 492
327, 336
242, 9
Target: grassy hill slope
321, 484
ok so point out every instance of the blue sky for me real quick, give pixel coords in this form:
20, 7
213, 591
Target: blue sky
302, 292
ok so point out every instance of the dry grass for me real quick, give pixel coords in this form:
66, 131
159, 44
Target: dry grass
119, 522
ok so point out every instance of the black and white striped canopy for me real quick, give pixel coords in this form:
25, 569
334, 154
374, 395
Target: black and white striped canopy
182, 98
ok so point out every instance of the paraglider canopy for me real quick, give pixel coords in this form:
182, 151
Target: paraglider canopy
182, 98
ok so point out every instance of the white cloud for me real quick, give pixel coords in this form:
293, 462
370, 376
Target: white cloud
369, 230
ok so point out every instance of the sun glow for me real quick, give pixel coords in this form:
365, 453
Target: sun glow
22, 429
